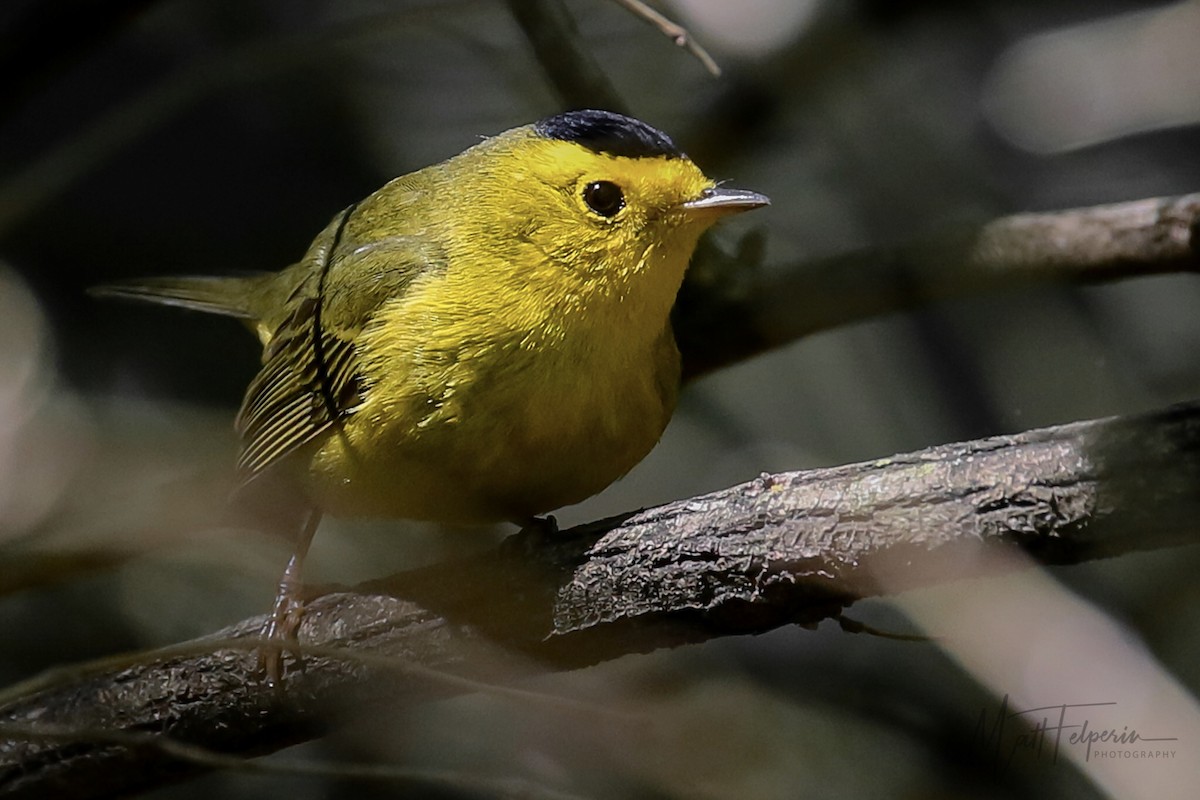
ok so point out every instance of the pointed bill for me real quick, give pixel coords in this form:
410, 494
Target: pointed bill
727, 200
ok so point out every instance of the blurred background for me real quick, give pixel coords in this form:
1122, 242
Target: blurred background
142, 137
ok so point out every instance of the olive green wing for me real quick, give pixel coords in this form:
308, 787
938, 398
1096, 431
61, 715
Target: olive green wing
310, 380
302, 389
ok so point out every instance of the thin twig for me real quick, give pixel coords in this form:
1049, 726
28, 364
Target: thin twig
673, 31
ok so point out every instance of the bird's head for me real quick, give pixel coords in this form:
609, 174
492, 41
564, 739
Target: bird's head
605, 199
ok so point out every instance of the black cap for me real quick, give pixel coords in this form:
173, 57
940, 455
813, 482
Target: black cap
606, 132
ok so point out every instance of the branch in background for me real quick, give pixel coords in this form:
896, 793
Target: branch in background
673, 31
575, 75
790, 548
721, 320
566, 63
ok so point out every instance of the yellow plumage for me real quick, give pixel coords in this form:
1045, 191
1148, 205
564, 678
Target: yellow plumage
475, 341
541, 367
484, 339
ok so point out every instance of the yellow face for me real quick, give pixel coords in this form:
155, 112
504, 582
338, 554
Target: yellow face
596, 214
559, 214
573, 230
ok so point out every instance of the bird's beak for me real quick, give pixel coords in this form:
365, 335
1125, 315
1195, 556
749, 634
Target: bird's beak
727, 201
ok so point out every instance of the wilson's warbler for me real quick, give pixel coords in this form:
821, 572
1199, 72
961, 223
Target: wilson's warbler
484, 339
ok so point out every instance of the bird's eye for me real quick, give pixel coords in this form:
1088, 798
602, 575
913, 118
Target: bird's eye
604, 197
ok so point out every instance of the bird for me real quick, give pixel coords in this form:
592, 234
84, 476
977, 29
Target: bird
485, 339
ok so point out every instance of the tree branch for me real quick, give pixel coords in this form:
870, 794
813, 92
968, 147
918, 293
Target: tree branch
728, 313
790, 548
673, 31
575, 75
558, 47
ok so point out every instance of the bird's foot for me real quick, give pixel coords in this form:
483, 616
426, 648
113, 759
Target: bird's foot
535, 532
281, 630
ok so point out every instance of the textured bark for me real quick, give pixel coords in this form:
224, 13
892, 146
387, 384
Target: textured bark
789, 548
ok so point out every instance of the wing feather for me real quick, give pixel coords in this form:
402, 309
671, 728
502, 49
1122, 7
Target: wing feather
303, 388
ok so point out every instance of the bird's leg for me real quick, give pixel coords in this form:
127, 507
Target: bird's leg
284, 623
534, 533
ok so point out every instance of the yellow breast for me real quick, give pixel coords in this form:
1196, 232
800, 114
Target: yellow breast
481, 409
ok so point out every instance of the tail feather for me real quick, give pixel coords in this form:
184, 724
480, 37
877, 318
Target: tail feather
232, 297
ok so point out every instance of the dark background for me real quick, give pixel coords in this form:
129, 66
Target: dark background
141, 138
